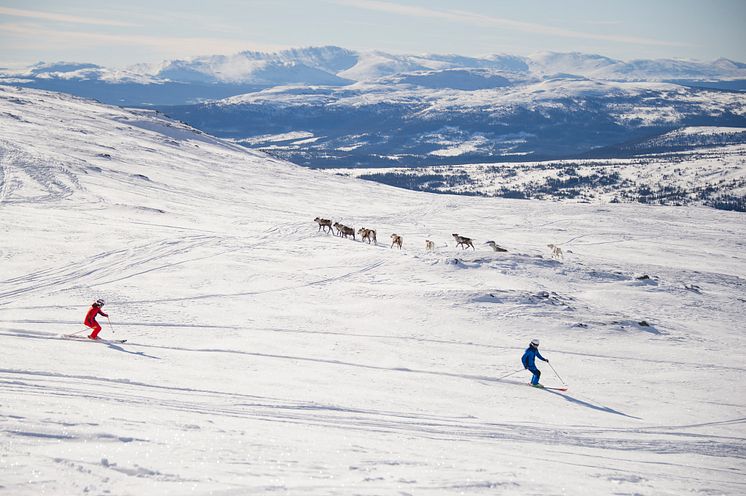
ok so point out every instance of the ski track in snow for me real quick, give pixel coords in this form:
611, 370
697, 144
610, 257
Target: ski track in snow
265, 356
668, 440
20, 172
125, 262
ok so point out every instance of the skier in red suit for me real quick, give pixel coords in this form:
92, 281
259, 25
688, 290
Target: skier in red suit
90, 318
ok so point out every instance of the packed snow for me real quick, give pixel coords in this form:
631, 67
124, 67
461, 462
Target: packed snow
264, 355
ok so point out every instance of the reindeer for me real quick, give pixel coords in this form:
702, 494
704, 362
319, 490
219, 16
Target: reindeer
396, 240
463, 241
429, 245
345, 231
495, 246
338, 227
556, 252
323, 224
367, 234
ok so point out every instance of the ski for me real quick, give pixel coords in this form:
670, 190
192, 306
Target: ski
550, 388
99, 340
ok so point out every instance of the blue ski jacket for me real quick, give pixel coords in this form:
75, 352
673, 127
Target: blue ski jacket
529, 357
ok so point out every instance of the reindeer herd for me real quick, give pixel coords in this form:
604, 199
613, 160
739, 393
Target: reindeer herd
369, 235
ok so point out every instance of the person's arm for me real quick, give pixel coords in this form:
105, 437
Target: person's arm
541, 357
102, 313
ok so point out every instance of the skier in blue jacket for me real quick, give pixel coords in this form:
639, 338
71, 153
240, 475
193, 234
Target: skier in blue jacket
528, 359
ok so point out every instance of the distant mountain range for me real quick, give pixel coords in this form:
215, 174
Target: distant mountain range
336, 108
220, 76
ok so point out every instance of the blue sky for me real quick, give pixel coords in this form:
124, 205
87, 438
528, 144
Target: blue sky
121, 33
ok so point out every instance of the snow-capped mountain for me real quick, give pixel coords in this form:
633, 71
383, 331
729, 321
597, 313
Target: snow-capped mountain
76, 72
59, 69
219, 76
265, 355
581, 64
304, 66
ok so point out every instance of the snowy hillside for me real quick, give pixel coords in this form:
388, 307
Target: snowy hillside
265, 356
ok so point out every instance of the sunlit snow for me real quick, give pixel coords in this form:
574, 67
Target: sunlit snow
264, 355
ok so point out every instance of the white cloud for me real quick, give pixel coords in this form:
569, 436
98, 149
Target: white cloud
491, 21
53, 16
38, 37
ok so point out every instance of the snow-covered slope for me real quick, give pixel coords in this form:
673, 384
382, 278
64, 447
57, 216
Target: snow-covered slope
246, 68
569, 63
696, 136
605, 68
550, 93
264, 355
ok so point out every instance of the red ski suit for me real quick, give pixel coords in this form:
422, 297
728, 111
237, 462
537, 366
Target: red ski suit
90, 320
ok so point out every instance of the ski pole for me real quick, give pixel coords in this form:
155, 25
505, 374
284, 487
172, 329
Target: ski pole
82, 330
558, 376
112, 328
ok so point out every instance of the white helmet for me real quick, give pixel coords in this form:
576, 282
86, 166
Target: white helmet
535, 342
100, 302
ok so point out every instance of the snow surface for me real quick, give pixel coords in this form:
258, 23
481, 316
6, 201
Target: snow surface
266, 356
